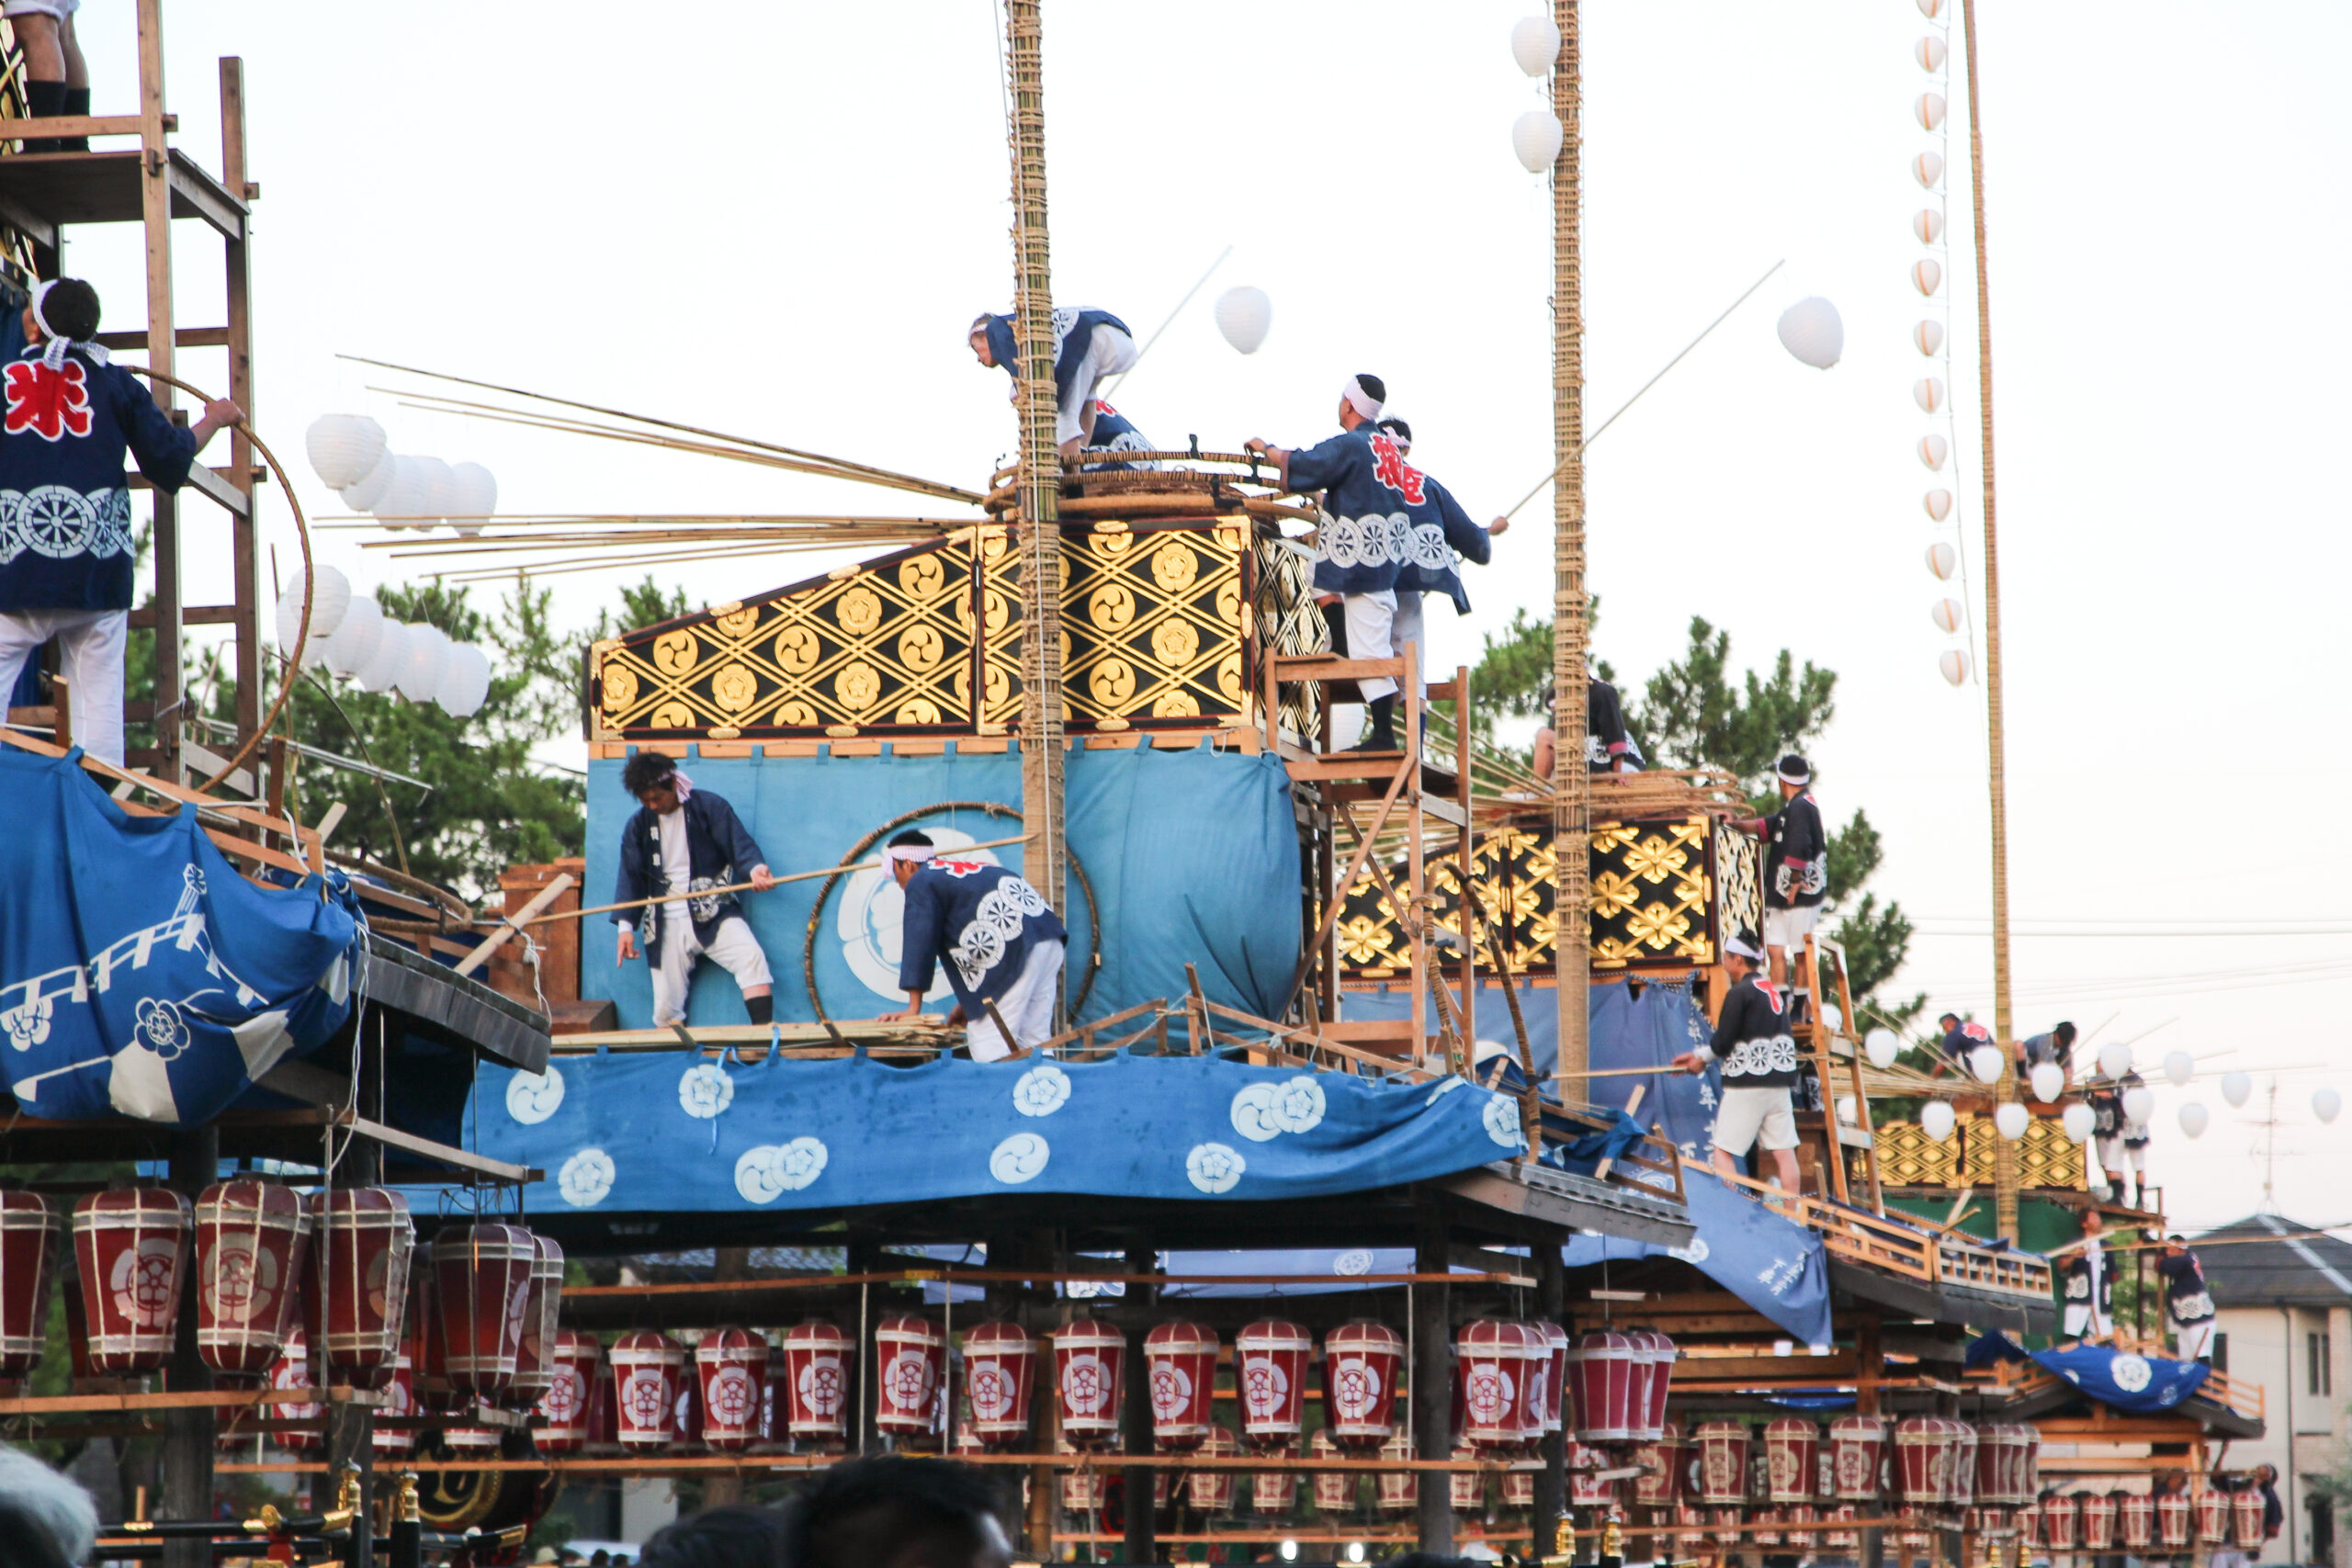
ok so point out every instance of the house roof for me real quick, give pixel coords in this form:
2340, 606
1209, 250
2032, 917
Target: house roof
2296, 1268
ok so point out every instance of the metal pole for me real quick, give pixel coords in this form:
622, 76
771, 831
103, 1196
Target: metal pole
1571, 790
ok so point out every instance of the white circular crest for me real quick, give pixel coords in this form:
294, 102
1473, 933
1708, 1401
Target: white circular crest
1019, 1158
2130, 1373
978, 951
585, 1177
1502, 1121
1214, 1168
768, 1170
1001, 910
871, 909
1041, 1091
1338, 539
1355, 1260
1696, 1252
1253, 1113
1430, 552
705, 1089
1298, 1104
532, 1098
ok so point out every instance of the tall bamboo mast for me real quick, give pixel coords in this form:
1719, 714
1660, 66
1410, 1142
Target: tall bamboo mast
1039, 482
1571, 787
2005, 1153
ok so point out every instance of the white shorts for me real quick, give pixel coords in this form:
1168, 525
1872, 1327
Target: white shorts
2083, 1319
1745, 1116
1371, 630
61, 9
1787, 929
732, 947
1027, 1007
2113, 1153
91, 645
1406, 628
2194, 1340
1108, 352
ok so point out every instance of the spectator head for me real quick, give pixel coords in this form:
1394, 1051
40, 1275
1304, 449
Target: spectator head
1793, 775
1398, 430
908, 853
651, 780
1741, 954
719, 1538
896, 1513
46, 1521
1362, 398
600, 1558
1948, 1022
2063, 1035
2176, 1245
2263, 1474
67, 308
2093, 1222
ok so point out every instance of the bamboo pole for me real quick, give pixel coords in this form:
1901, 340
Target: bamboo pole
1570, 788
746, 886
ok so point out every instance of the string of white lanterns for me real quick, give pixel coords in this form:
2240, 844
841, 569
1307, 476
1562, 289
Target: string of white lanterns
1535, 136
351, 456
1931, 336
351, 638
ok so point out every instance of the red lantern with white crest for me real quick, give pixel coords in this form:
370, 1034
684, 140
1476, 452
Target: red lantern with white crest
2136, 1520
648, 1370
362, 1251
1659, 1350
131, 1248
564, 1407
1552, 1379
1465, 1489
1722, 1460
2173, 1521
910, 1363
400, 1404
2246, 1515
2029, 1521
1601, 1388
1792, 1458
1499, 1366
1518, 1489
2061, 1522
249, 1249
1927, 1449
1690, 1533
1179, 1360
1396, 1491
1962, 1474
1857, 1449
2213, 1516
292, 1370
1275, 1492
1660, 1485
1271, 1361
2099, 1522
1090, 1356
730, 1369
1585, 1489
1362, 1361
542, 1302
1843, 1514
1000, 1372
1212, 1491
1802, 1518
2001, 1479
1083, 1490
1335, 1490
30, 1227
481, 1282
816, 1391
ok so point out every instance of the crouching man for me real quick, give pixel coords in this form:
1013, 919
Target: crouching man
1002, 942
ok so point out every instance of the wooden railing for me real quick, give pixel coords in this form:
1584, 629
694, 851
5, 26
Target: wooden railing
1899, 1249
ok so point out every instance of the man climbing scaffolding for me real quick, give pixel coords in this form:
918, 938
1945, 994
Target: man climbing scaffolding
1089, 346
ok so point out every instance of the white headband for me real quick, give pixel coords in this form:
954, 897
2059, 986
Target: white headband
53, 354
917, 853
1799, 777
1363, 402
1739, 945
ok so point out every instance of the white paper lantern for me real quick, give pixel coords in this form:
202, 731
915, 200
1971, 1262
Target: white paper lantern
1927, 275
1928, 224
354, 643
2325, 1103
1933, 450
387, 659
1928, 393
1929, 52
2179, 1066
1811, 330
403, 499
1832, 1019
1984, 1063
465, 684
437, 493
1935, 1119
2138, 1104
475, 497
363, 494
1848, 1111
2194, 1118
289, 616
1928, 168
1943, 560
1535, 138
2009, 1119
330, 602
2235, 1087
2049, 1080
343, 448
428, 656
2078, 1120
1937, 503
1931, 9
1535, 44
1927, 337
1881, 1045
1243, 316
1953, 662
1930, 110
2115, 1060
1948, 615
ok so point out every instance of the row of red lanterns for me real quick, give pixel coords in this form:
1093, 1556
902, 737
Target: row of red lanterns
2135, 1521
1934, 1462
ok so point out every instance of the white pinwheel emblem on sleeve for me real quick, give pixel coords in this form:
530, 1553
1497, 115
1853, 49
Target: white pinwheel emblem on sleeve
1502, 1121
1001, 910
1215, 1167
705, 1089
1431, 551
1019, 1158
1264, 1112
585, 1177
1032, 902
532, 1098
978, 950
1041, 1091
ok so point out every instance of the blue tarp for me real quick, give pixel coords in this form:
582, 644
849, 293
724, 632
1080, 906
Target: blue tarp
673, 1132
1192, 855
139, 974
2137, 1385
1774, 1264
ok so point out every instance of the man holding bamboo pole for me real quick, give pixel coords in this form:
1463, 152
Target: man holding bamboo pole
689, 842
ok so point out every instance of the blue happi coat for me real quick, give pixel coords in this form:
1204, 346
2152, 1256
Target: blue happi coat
1366, 535
65, 540
720, 851
1114, 432
1073, 334
1443, 535
983, 920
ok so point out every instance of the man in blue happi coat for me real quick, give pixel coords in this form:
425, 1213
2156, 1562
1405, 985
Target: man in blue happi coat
1112, 431
687, 841
1002, 942
1089, 346
1443, 535
65, 541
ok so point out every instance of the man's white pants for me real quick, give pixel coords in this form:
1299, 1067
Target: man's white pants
2194, 1341
1406, 628
2085, 1320
92, 644
1372, 628
1027, 1009
1108, 352
732, 947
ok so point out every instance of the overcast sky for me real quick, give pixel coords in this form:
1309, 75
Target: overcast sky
779, 219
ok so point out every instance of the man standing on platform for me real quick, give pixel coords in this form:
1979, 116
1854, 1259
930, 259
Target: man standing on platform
2188, 1301
57, 79
1002, 944
1796, 867
1608, 745
1442, 535
2089, 1285
2119, 1140
1759, 1062
65, 542
1089, 346
688, 841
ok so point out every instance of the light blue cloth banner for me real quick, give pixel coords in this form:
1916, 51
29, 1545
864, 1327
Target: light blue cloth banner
675, 1133
1192, 855
139, 974
2139, 1385
1774, 1264
1319, 1269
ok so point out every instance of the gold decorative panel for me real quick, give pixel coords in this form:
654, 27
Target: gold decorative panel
2046, 1157
1739, 888
1153, 625
1291, 623
1908, 1157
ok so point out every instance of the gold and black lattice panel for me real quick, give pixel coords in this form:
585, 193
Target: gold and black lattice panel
886, 644
1650, 894
1290, 623
1740, 887
2046, 1156
1908, 1157
1152, 625
1000, 599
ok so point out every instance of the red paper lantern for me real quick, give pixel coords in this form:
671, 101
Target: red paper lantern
730, 1369
2028, 1520
1727, 1523
427, 1349
1962, 1477
292, 1370
1362, 1361
30, 1227
2135, 1519
1601, 1388
130, 1248
1465, 1489
1552, 1381
1518, 1489
1927, 1451
1857, 1447
648, 1370
2003, 1451
1396, 1491
1661, 1354
1212, 1491
2031, 1461
2061, 1522
1271, 1362
1661, 1485
564, 1407
1766, 1532
1586, 1490
1792, 1458
2099, 1522
481, 1282
249, 1249
1335, 1490
1181, 1360
400, 1404
816, 1382
1089, 1357
1499, 1366
1083, 1490
910, 1363
1722, 1460
1843, 1513
999, 1371
686, 1410
543, 1299
2246, 1515
2213, 1516
1802, 1518
1275, 1492
362, 1253
2173, 1521
468, 1438
1690, 1533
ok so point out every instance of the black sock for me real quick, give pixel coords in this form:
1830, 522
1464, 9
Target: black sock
761, 1008
78, 102
1383, 724
43, 100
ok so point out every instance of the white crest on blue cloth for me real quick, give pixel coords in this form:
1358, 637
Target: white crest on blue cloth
1354, 1261
1262, 1110
1502, 1121
1019, 1158
1696, 1252
1445, 1086
28, 1025
2131, 1373
1215, 1167
585, 1177
1041, 1091
161, 1028
705, 1089
769, 1171
532, 1098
